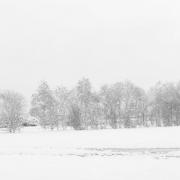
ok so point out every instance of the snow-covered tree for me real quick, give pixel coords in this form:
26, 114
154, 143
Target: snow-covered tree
62, 99
44, 107
84, 95
165, 105
12, 110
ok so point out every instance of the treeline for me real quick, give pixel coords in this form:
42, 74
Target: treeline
120, 105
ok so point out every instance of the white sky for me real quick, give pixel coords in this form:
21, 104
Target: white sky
107, 41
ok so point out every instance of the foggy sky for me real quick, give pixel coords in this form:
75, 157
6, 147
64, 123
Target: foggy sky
62, 41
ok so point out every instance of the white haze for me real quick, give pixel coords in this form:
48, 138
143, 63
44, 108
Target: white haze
62, 41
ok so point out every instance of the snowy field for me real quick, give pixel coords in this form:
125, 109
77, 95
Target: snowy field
126, 154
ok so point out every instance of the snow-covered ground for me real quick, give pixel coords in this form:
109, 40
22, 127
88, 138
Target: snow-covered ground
127, 154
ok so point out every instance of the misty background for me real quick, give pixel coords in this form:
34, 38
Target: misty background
106, 41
